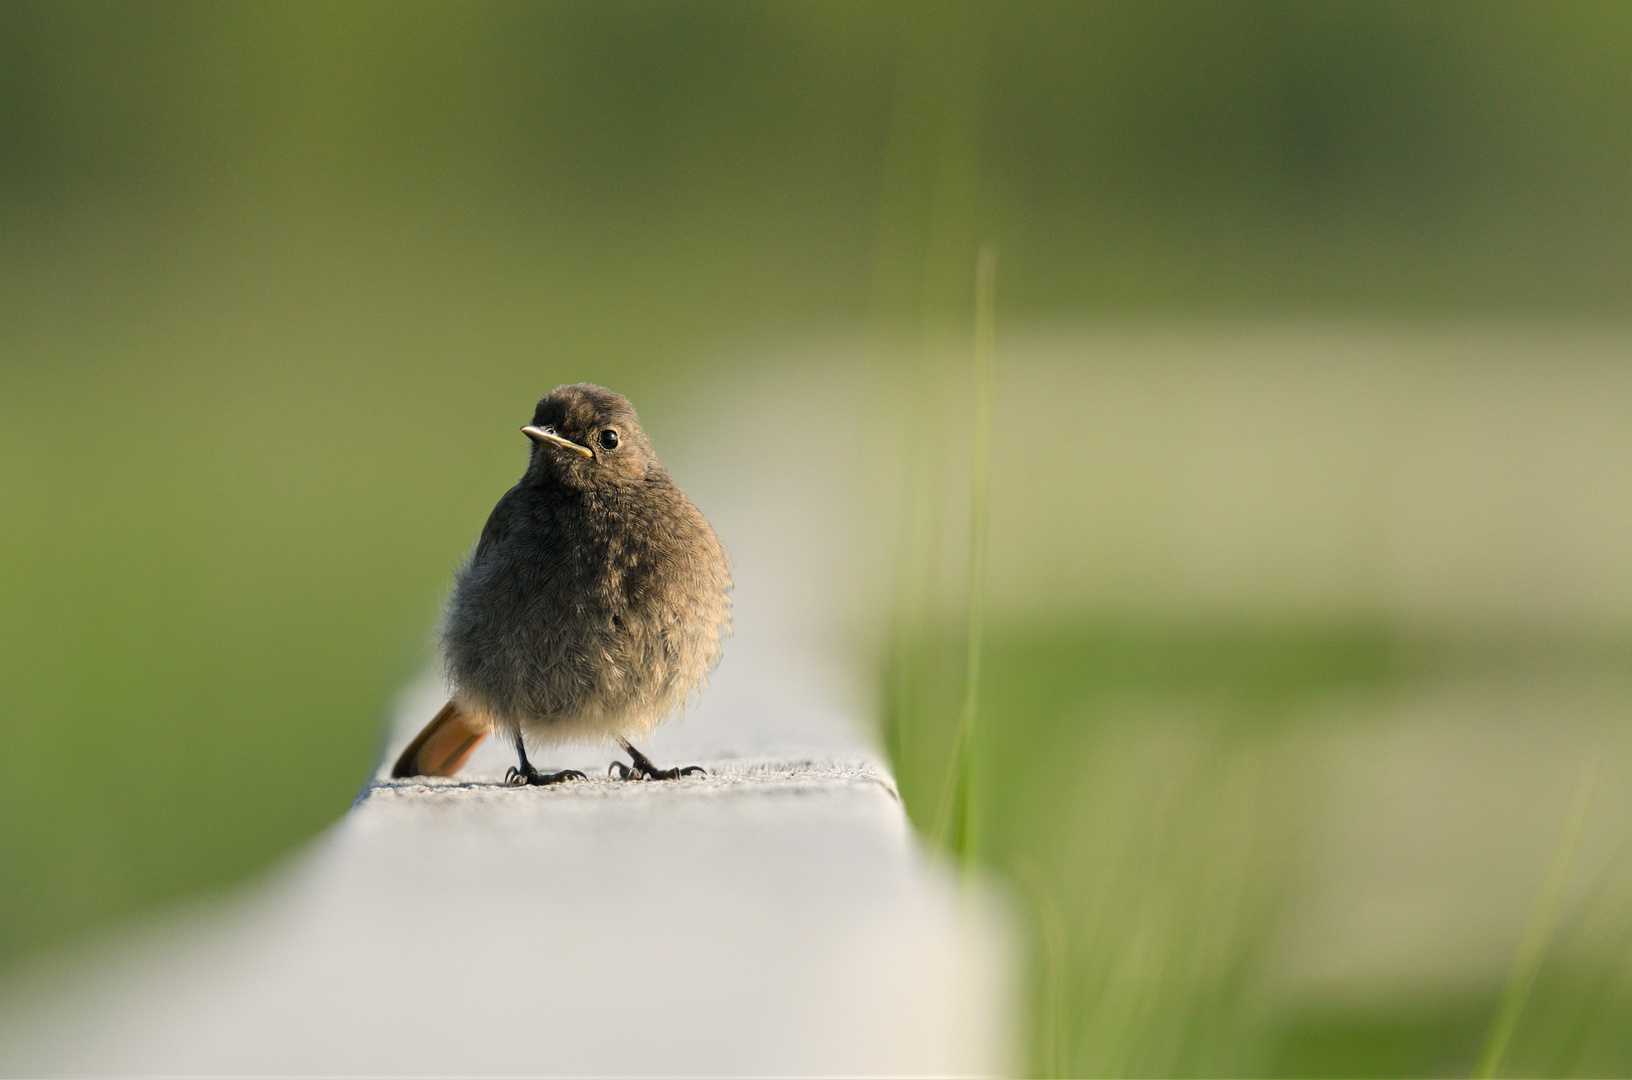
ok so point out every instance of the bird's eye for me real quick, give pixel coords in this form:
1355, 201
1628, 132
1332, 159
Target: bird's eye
609, 439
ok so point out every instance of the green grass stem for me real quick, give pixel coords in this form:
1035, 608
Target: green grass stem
1538, 932
1052, 1013
957, 802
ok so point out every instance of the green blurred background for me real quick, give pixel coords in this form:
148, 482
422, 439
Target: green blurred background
278, 281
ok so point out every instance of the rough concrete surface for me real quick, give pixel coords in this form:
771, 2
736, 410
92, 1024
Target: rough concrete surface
772, 918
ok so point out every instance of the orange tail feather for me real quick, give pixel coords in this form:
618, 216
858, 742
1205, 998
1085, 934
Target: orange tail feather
445, 745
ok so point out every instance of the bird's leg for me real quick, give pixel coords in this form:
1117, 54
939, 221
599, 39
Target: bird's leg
643, 769
527, 775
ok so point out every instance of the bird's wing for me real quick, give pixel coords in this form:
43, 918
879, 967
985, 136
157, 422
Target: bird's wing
498, 520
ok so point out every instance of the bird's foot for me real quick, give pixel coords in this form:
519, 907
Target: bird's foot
625, 772
643, 769
533, 778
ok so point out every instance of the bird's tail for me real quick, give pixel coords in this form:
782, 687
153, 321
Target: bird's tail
445, 745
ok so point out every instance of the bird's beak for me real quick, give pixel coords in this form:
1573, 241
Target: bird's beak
542, 435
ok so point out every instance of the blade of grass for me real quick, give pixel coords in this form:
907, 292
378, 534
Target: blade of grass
926, 226
1538, 932
957, 800
1052, 1009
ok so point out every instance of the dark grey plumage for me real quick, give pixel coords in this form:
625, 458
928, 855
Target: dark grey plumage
597, 596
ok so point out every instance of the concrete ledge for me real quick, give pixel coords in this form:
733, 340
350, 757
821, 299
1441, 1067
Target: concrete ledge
773, 918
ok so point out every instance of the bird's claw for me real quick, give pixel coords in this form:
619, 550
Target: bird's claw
532, 778
643, 770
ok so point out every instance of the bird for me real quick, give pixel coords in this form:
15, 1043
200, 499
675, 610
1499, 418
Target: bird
594, 605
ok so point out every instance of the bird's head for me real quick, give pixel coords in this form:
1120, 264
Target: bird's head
586, 436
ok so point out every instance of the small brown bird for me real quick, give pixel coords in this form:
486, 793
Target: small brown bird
594, 604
